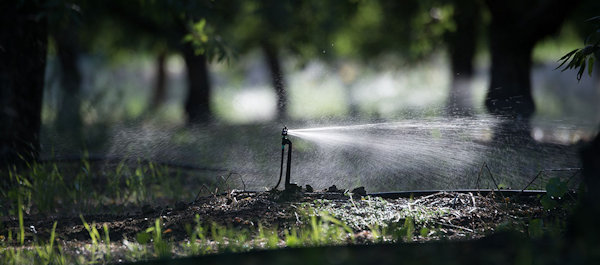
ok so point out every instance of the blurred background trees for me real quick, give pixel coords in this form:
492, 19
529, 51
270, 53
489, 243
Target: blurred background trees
217, 44
23, 46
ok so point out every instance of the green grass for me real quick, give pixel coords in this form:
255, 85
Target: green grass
320, 229
74, 188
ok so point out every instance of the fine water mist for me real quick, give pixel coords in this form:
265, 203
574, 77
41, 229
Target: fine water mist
411, 154
436, 153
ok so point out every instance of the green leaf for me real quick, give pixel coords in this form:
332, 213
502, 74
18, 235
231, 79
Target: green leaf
424, 232
590, 65
199, 26
53, 234
572, 56
163, 249
143, 237
566, 56
556, 188
410, 228
581, 70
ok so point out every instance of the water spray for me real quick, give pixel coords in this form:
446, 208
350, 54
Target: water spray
285, 141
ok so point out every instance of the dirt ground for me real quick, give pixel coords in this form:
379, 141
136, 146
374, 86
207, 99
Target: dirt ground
456, 215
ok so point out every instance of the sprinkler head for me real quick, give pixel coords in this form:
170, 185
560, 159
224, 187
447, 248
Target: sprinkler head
284, 132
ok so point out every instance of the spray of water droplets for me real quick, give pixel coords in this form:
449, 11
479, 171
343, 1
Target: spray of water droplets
440, 153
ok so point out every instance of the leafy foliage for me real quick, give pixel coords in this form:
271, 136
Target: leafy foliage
581, 58
556, 189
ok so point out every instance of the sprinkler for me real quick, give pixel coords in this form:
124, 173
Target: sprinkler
285, 141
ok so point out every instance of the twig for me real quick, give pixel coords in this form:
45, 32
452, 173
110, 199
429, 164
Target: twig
576, 169
417, 201
206, 188
242, 179
473, 199
226, 181
456, 227
352, 200
532, 180
492, 177
479, 177
454, 201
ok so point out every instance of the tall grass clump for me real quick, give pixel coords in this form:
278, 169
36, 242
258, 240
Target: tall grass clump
74, 188
97, 251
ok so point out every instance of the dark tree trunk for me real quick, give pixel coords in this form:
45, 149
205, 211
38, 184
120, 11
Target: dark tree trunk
509, 93
277, 79
23, 47
197, 104
590, 158
583, 224
596, 74
160, 89
462, 47
515, 29
69, 116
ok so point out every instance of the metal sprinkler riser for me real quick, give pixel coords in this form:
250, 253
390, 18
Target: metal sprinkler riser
289, 187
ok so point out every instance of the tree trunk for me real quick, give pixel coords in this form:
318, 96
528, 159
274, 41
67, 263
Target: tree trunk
462, 46
277, 79
197, 104
590, 158
583, 222
515, 29
596, 86
509, 93
69, 114
23, 48
160, 90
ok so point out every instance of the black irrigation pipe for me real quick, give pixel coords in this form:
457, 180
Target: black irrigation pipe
419, 193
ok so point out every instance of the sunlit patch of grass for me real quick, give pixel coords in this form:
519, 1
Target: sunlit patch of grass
97, 251
38, 253
375, 212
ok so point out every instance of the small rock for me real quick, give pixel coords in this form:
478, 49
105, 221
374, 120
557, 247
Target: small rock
333, 188
309, 188
360, 191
